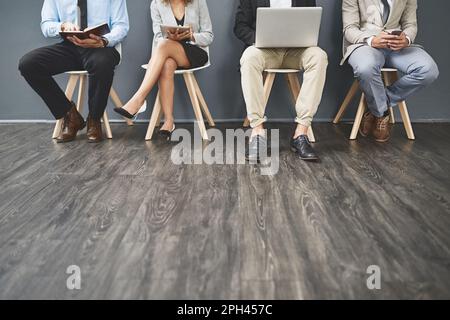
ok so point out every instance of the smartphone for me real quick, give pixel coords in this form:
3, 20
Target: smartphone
396, 32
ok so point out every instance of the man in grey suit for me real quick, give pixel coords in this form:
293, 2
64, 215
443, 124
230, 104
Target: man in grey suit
377, 34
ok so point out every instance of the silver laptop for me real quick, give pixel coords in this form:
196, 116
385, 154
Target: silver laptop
288, 27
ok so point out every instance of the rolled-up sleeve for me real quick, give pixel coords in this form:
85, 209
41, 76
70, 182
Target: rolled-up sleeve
120, 24
50, 23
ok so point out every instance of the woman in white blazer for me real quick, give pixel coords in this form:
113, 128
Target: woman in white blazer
176, 51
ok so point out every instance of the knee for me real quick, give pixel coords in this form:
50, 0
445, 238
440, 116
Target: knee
317, 58
367, 70
427, 72
27, 65
168, 69
100, 66
164, 46
252, 59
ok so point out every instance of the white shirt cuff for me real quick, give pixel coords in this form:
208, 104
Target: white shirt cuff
369, 41
409, 40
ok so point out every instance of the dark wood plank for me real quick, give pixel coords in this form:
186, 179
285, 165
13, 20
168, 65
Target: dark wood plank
142, 227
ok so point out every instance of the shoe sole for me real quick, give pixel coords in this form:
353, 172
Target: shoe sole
95, 141
382, 141
124, 113
304, 159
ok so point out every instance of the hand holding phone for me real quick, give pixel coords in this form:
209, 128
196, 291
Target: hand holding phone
400, 42
396, 33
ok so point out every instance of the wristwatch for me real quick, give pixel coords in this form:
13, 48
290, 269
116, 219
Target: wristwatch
105, 42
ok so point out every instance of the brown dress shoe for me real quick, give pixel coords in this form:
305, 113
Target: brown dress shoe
367, 124
94, 130
382, 129
72, 123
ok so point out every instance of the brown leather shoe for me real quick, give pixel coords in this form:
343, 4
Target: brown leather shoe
94, 130
367, 124
72, 123
382, 130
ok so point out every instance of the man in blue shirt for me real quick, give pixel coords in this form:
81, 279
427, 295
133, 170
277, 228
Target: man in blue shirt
97, 55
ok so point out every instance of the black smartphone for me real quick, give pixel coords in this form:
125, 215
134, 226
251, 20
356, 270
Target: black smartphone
396, 32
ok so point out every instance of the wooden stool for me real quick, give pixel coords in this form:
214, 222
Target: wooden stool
198, 104
294, 87
80, 77
389, 76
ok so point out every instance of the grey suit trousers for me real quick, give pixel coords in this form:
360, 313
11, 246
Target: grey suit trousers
414, 63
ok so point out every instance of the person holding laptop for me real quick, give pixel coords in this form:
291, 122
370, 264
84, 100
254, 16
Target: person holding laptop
254, 61
185, 49
97, 55
377, 34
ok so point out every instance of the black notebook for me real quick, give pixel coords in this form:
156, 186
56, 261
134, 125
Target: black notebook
99, 30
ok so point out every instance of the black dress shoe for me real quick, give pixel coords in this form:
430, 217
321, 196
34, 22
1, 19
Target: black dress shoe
302, 147
166, 134
125, 113
257, 150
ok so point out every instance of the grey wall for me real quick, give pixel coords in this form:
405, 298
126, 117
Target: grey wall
20, 19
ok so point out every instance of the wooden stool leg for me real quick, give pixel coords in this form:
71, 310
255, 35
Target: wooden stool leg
358, 118
294, 85
118, 103
107, 126
81, 91
350, 95
156, 116
392, 115
188, 78
268, 84
70, 90
203, 104
406, 120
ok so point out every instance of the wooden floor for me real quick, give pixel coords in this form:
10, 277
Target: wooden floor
140, 227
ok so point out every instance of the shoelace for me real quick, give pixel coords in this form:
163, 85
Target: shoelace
381, 125
306, 139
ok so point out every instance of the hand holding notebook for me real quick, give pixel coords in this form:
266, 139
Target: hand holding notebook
99, 31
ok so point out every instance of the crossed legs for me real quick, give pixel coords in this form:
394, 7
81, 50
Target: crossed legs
166, 58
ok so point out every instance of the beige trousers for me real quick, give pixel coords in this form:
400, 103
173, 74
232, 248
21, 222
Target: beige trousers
313, 61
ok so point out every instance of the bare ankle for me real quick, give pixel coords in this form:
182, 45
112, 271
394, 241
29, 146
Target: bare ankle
301, 130
168, 124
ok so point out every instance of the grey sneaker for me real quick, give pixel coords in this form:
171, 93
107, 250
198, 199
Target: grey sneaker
257, 150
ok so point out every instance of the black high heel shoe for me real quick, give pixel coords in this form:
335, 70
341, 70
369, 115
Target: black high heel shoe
166, 134
126, 114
